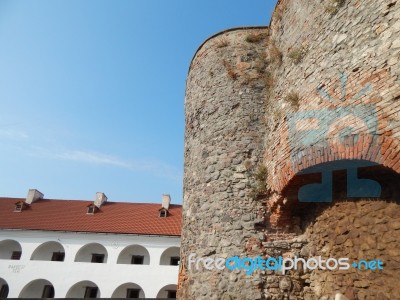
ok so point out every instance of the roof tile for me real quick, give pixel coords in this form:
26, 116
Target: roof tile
70, 215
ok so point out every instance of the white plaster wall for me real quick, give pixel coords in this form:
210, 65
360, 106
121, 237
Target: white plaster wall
85, 252
125, 256
163, 293
34, 289
120, 292
167, 254
78, 290
45, 251
7, 247
107, 276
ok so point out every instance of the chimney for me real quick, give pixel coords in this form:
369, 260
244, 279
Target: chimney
166, 201
33, 195
100, 199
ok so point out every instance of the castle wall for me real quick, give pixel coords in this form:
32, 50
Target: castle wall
343, 50
224, 108
342, 54
322, 89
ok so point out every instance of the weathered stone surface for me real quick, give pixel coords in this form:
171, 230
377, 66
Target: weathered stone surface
237, 109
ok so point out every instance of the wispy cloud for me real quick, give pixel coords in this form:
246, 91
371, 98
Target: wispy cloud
93, 158
154, 167
13, 134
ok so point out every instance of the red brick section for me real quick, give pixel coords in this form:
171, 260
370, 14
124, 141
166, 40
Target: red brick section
285, 161
385, 152
382, 148
70, 215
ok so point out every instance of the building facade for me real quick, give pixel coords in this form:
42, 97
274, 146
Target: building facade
86, 249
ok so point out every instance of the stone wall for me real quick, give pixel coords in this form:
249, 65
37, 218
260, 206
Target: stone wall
340, 52
315, 91
224, 135
358, 230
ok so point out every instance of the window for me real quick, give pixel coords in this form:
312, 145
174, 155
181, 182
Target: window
137, 260
91, 292
58, 256
48, 291
97, 258
16, 255
132, 293
4, 291
90, 210
171, 294
163, 213
174, 261
18, 207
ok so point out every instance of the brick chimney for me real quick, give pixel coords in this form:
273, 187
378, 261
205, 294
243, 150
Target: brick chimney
33, 195
166, 201
101, 198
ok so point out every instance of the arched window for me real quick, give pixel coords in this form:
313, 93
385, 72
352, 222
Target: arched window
39, 288
170, 257
134, 254
93, 253
10, 249
50, 251
84, 289
4, 289
168, 291
128, 290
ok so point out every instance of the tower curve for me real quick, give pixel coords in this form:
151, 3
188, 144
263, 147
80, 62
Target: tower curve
292, 150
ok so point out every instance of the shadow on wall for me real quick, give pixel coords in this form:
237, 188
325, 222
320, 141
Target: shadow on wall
312, 191
357, 228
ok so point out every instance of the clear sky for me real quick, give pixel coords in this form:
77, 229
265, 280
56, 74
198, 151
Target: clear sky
91, 92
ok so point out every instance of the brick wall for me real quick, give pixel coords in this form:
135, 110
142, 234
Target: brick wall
317, 90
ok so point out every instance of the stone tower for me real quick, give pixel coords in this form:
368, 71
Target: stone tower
224, 140
292, 149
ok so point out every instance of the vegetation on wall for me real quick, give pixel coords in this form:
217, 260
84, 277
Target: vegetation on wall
255, 63
261, 63
256, 37
275, 55
260, 183
221, 42
333, 6
229, 70
279, 11
293, 98
297, 54
269, 81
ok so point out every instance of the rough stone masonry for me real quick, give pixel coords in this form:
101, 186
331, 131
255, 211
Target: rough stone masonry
333, 67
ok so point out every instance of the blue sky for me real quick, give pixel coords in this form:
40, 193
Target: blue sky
91, 93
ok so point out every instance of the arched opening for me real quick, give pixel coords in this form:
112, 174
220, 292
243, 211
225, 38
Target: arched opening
317, 187
4, 289
128, 290
307, 149
84, 289
358, 219
93, 253
49, 251
134, 254
39, 288
10, 249
170, 257
168, 291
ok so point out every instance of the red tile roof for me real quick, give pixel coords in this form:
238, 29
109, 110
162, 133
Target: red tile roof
70, 215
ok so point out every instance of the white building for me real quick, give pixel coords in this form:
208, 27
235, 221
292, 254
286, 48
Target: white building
86, 249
